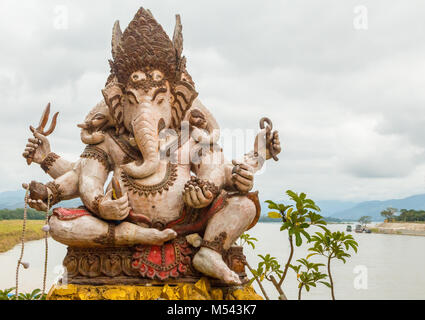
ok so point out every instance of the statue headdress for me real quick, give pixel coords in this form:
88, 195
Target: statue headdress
144, 45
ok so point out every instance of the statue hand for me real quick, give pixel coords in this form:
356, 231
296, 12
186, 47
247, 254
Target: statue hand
37, 204
114, 209
37, 148
242, 177
273, 143
196, 197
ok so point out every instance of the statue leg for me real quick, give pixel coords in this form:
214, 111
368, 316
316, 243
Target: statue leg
88, 231
221, 233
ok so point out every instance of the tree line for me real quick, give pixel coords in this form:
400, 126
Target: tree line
17, 214
404, 215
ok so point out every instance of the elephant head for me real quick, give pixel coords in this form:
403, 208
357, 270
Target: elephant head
149, 88
96, 123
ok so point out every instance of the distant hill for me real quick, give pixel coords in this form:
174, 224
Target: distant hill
374, 208
15, 199
352, 211
330, 207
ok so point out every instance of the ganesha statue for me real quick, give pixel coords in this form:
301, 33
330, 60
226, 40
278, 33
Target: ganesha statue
160, 201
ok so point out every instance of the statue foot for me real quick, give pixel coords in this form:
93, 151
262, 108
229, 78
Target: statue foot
160, 237
211, 263
168, 234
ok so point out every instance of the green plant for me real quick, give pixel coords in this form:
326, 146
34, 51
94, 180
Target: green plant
332, 245
4, 294
389, 213
310, 277
295, 220
247, 239
258, 274
266, 267
34, 295
411, 215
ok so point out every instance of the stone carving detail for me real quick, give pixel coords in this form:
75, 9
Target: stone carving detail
56, 195
217, 244
165, 184
49, 161
103, 265
93, 152
93, 263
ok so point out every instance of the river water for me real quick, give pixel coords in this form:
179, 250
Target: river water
386, 266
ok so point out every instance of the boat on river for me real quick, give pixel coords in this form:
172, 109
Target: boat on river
359, 228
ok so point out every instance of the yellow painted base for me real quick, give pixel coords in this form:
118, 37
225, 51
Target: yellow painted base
184, 291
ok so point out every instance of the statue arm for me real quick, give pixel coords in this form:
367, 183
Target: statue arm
209, 164
93, 175
56, 166
68, 183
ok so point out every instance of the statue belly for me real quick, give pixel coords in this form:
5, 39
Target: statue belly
164, 203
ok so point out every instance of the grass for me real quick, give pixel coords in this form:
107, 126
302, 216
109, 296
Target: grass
11, 232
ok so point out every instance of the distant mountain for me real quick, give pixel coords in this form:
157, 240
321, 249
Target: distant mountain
15, 199
374, 208
12, 199
330, 207
352, 211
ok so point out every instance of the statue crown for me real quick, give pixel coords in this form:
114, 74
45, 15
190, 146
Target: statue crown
145, 46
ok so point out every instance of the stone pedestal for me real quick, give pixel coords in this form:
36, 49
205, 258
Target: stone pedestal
143, 265
145, 273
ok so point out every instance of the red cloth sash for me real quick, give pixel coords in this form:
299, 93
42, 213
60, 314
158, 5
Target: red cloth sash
70, 214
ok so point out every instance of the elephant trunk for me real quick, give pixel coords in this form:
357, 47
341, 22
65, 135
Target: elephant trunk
145, 130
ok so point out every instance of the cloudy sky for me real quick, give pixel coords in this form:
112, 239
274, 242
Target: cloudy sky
343, 82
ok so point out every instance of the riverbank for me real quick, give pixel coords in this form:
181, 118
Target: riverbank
11, 232
403, 228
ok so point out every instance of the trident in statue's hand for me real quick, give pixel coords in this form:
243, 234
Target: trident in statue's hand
40, 129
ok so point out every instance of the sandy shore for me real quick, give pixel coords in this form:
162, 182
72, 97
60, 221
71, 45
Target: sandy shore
407, 228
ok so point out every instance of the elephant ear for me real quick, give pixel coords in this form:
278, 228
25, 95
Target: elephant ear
184, 95
184, 88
